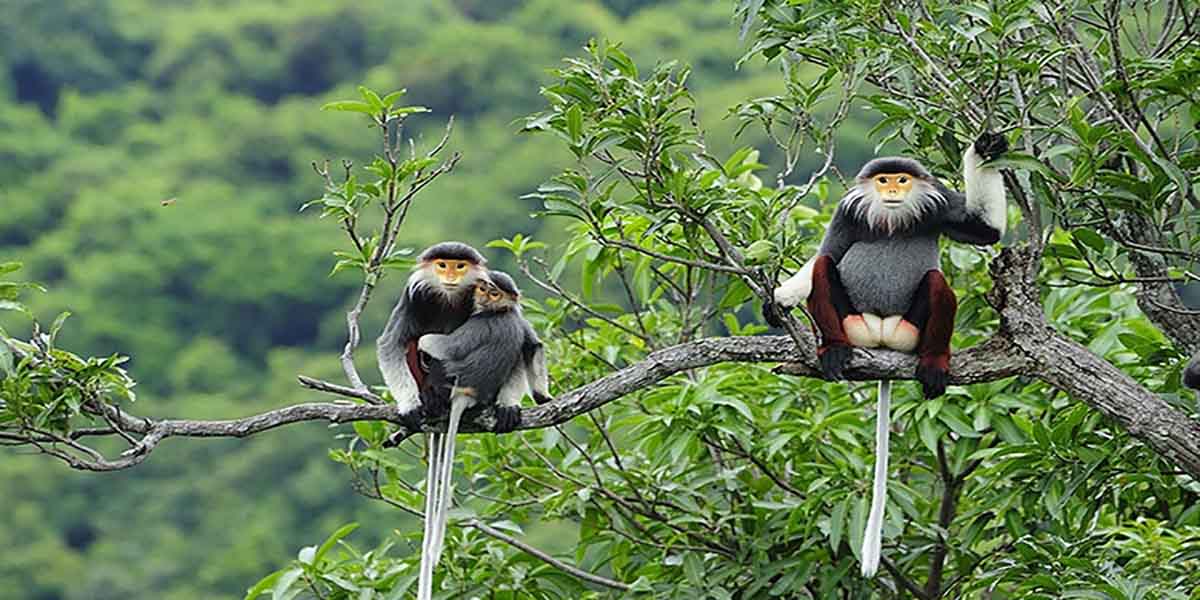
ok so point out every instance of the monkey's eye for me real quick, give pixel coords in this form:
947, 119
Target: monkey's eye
495, 295
462, 266
882, 180
903, 179
440, 264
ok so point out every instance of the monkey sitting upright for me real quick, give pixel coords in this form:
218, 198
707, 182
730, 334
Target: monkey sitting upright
437, 299
493, 359
877, 280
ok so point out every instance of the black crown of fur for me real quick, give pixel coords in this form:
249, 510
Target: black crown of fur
503, 281
452, 251
893, 164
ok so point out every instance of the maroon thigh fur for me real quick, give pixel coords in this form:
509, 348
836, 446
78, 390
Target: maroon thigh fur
412, 356
828, 303
933, 311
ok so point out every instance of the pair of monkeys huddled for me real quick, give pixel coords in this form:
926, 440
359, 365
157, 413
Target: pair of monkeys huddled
458, 332
457, 340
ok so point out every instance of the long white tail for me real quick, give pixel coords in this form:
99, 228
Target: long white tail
873, 535
438, 494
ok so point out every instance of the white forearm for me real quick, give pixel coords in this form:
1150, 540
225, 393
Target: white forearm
985, 191
796, 289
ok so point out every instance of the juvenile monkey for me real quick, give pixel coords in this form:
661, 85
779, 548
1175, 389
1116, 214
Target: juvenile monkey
438, 298
877, 280
493, 359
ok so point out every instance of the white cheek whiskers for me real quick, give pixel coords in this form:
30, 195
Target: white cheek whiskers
866, 204
425, 280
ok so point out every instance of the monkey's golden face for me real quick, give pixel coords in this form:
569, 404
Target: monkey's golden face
487, 294
893, 188
450, 272
491, 298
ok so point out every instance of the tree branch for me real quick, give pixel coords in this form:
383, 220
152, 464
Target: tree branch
1025, 345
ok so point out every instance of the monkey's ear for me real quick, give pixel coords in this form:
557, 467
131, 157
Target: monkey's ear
989, 145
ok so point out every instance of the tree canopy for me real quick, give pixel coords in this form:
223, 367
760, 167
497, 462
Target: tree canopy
153, 170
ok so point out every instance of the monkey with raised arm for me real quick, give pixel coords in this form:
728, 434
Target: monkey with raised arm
492, 360
877, 280
438, 298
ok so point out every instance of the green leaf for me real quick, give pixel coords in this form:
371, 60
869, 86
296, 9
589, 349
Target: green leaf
930, 432
284, 584
6, 359
349, 106
14, 305
372, 98
574, 123
391, 98
263, 585
57, 326
837, 523
1089, 238
333, 539
1017, 160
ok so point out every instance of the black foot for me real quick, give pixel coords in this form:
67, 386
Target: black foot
411, 420
435, 403
541, 398
933, 380
990, 145
833, 360
411, 423
769, 314
507, 418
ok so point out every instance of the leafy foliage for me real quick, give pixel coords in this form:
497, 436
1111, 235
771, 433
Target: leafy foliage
151, 171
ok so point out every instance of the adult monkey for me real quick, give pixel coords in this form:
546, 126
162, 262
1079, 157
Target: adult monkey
492, 360
438, 298
877, 280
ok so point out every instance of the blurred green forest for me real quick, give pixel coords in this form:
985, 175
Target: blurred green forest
153, 155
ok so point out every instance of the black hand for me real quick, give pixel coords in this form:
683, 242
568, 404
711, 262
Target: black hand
411, 420
507, 418
833, 360
769, 316
933, 380
541, 398
990, 145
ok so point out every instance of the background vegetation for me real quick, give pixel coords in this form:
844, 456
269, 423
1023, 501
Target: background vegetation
152, 160
109, 108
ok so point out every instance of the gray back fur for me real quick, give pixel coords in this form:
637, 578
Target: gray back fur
484, 352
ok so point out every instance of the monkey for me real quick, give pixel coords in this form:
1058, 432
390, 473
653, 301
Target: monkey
1191, 375
876, 280
492, 360
438, 298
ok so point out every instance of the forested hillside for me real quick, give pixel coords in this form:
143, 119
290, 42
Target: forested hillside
153, 156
